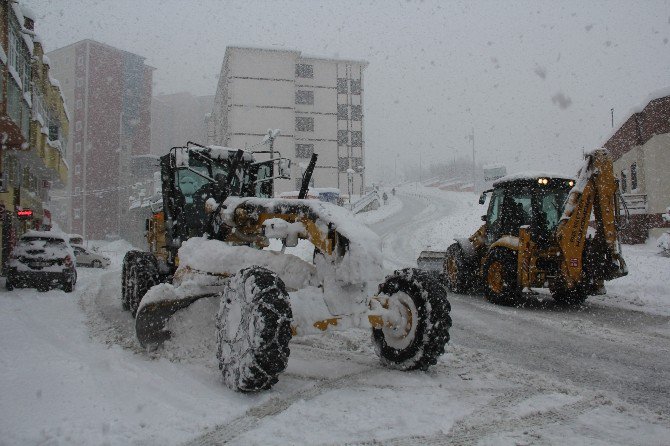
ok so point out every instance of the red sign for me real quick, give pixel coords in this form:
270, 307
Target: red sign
574, 263
25, 213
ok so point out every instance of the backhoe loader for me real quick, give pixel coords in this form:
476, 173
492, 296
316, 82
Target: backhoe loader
537, 233
206, 241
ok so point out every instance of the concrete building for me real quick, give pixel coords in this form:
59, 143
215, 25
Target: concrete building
108, 91
34, 125
317, 104
641, 152
176, 119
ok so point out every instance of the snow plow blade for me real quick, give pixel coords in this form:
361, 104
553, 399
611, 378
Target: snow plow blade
152, 318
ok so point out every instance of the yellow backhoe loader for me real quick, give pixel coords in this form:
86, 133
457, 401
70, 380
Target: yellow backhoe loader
206, 241
538, 232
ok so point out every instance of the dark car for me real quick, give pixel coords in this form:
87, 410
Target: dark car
42, 260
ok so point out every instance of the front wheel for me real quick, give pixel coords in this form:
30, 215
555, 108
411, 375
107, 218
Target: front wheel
139, 274
500, 276
459, 273
420, 339
253, 328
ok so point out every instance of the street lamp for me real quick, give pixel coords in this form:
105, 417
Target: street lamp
350, 183
360, 170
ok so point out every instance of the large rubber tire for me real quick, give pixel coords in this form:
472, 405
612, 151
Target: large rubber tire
68, 285
460, 274
8, 284
500, 277
140, 275
569, 297
253, 328
420, 343
127, 259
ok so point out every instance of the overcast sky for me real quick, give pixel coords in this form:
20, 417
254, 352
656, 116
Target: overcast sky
536, 80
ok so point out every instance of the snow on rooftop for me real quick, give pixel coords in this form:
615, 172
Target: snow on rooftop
531, 175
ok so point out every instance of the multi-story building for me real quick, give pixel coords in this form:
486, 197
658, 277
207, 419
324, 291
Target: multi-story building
317, 104
34, 129
178, 118
108, 91
641, 152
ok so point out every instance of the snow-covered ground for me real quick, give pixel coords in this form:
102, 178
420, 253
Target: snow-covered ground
73, 373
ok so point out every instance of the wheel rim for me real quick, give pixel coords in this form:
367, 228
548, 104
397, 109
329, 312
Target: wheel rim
401, 336
494, 277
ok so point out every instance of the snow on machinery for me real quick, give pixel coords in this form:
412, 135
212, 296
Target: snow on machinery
536, 234
206, 242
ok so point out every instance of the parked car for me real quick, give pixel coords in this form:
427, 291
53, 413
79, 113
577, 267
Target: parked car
43, 260
76, 239
86, 257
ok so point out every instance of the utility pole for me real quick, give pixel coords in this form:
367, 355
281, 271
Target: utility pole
612, 111
473, 157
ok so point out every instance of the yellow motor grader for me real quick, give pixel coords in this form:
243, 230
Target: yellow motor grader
206, 240
537, 233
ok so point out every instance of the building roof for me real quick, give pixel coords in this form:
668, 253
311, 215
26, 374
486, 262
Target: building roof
298, 53
103, 45
640, 127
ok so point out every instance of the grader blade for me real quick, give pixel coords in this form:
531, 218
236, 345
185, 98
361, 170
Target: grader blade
152, 317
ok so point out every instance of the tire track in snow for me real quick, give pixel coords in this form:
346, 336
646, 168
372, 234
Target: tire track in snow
225, 433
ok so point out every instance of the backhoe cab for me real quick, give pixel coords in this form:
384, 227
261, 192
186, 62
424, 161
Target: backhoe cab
536, 234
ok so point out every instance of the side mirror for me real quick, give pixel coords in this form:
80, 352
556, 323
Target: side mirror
483, 217
285, 168
482, 198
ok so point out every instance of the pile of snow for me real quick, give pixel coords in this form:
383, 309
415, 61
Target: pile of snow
392, 207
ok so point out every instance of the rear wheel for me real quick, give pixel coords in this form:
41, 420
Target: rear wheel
253, 330
9, 285
68, 283
422, 301
459, 273
96, 264
140, 273
500, 276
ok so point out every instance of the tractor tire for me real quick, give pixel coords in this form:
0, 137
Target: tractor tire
127, 259
500, 277
253, 329
459, 273
564, 296
140, 275
422, 341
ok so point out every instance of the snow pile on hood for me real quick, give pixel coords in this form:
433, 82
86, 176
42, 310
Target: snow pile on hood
213, 256
363, 261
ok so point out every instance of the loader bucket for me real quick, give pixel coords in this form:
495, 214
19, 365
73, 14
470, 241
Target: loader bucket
152, 317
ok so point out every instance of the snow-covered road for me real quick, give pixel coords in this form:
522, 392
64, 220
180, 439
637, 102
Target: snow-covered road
72, 372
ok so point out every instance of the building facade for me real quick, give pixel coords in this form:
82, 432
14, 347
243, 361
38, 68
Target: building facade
176, 119
108, 91
317, 104
641, 152
34, 126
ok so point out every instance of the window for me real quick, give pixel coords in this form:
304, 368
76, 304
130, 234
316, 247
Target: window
304, 150
303, 124
77, 169
80, 60
355, 86
342, 137
80, 81
343, 164
357, 139
304, 97
78, 104
77, 213
77, 147
624, 186
304, 70
342, 86
633, 177
342, 112
54, 132
356, 113
357, 164
77, 126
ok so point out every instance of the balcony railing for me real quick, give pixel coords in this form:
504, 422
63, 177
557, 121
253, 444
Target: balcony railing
636, 203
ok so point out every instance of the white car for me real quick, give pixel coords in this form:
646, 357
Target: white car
86, 257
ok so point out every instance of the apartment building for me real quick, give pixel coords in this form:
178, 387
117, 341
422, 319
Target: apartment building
317, 103
34, 126
108, 91
178, 118
641, 152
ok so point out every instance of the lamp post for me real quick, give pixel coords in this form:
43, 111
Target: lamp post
350, 183
360, 170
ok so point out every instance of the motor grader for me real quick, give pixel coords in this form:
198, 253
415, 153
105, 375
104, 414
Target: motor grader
208, 239
538, 233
